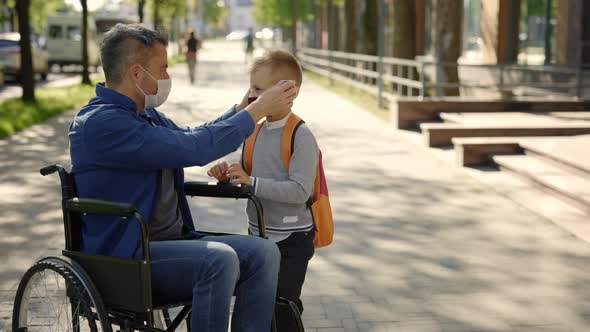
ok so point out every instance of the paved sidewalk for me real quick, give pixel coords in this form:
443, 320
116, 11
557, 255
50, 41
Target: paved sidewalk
420, 245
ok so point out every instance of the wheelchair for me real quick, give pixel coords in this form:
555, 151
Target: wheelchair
86, 292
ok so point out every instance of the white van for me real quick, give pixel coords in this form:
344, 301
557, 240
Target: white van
64, 40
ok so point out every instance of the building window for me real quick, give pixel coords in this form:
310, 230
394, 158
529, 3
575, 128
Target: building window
55, 32
73, 33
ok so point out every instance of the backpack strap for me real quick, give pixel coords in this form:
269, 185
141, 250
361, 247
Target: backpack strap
288, 139
248, 149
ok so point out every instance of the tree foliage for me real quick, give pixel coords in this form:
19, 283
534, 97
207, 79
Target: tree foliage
213, 13
278, 12
40, 10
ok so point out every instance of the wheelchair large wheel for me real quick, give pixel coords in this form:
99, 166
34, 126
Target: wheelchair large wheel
55, 294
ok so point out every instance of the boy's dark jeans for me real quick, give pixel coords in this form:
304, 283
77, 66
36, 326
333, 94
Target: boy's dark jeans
296, 251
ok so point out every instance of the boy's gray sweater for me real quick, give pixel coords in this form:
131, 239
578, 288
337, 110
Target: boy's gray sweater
283, 195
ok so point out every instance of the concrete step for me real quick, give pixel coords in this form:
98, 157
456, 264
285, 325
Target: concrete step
441, 134
405, 112
570, 153
569, 186
516, 118
561, 212
478, 151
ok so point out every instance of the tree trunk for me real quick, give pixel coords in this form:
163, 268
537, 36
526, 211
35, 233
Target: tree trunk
13, 19
140, 8
350, 9
325, 26
331, 32
339, 27
318, 27
371, 27
403, 29
27, 75
85, 72
404, 36
294, 27
2, 17
447, 20
157, 14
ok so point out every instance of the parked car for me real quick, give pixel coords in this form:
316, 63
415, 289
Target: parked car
64, 40
10, 56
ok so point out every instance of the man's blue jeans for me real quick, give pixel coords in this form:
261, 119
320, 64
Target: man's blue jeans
211, 269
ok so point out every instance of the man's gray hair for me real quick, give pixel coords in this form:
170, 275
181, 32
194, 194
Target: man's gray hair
124, 44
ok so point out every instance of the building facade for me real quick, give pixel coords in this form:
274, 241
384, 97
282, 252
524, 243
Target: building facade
240, 15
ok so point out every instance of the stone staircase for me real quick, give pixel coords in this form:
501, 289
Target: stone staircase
538, 154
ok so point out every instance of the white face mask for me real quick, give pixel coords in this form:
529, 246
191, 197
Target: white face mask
164, 87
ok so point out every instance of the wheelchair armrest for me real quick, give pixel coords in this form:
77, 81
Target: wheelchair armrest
221, 190
96, 206
108, 208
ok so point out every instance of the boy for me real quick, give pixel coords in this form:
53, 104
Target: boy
283, 193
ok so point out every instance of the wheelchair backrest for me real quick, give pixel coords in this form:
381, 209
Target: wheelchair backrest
72, 220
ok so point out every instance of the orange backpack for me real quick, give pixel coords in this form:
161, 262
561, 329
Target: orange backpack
319, 202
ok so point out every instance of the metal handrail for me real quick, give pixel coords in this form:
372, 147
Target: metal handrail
407, 76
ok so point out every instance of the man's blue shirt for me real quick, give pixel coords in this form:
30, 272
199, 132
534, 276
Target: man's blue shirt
118, 155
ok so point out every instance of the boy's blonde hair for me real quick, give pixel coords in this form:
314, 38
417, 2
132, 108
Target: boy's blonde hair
279, 60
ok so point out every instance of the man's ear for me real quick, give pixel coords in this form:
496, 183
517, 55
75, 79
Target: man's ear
134, 73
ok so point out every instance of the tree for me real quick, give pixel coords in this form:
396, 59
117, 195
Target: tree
404, 38
337, 33
279, 12
3, 18
403, 29
294, 12
165, 12
351, 10
213, 13
140, 9
37, 17
85, 73
447, 18
42, 10
26, 57
371, 28
157, 14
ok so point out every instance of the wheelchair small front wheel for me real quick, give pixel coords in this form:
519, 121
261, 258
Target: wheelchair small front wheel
55, 294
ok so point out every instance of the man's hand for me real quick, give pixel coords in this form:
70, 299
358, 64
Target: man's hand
237, 174
273, 100
219, 172
244, 102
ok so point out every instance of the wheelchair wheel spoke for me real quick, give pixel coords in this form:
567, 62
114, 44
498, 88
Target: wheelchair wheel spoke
49, 295
52, 304
56, 296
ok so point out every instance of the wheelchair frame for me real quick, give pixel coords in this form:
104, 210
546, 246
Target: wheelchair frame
120, 299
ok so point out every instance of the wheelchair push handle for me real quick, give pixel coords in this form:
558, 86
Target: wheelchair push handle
50, 169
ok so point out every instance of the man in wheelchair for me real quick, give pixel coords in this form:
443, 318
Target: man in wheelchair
124, 150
